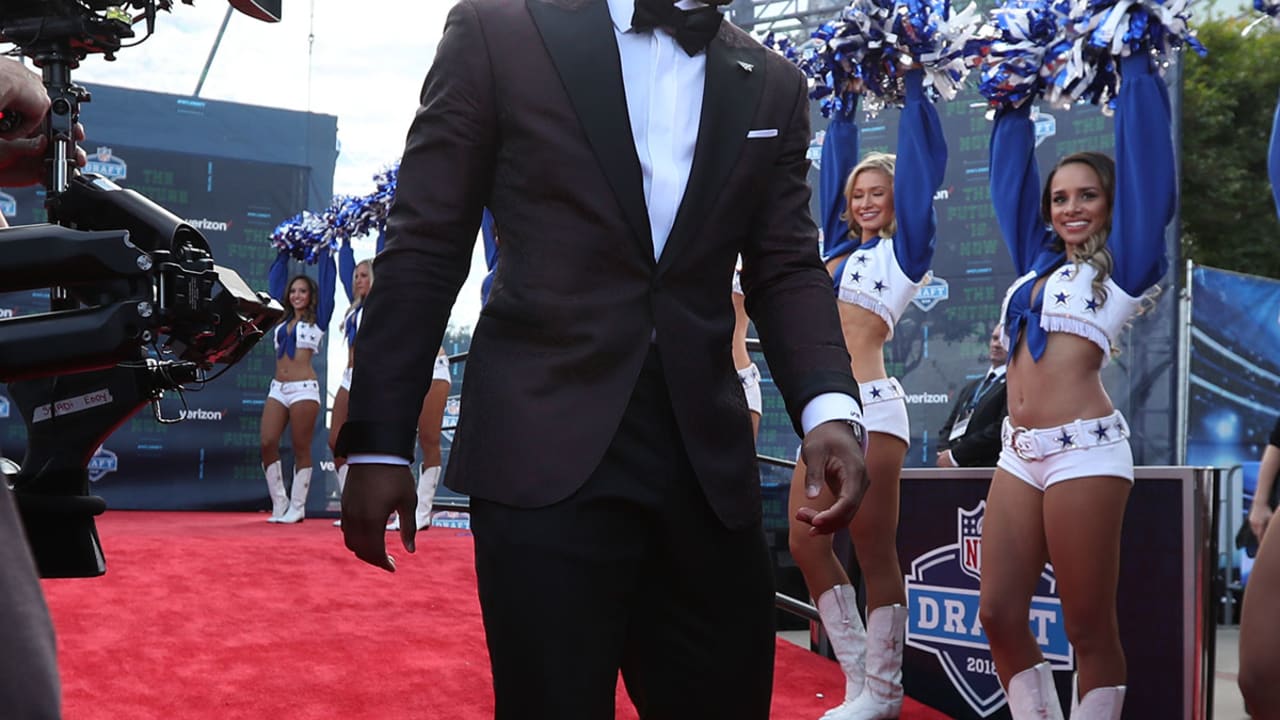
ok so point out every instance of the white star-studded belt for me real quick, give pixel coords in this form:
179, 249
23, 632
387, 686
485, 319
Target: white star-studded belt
1039, 443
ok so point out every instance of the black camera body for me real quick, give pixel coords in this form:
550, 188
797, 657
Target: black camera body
137, 304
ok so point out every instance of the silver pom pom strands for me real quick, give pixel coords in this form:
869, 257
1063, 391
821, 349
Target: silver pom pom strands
873, 42
310, 236
1068, 51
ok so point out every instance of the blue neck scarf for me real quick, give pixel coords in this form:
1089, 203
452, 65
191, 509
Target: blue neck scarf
287, 340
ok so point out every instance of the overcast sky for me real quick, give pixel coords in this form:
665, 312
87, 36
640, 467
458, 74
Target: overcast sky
364, 65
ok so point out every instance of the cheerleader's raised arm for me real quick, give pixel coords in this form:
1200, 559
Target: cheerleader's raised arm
1146, 178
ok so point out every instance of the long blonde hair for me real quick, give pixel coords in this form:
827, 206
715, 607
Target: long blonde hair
359, 299
885, 163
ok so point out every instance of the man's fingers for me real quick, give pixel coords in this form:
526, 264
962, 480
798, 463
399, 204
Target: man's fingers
367, 545
814, 476
408, 523
838, 516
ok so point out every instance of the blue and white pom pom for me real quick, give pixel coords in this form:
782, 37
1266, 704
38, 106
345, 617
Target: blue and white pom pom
866, 48
933, 36
309, 236
1268, 8
1112, 29
1023, 43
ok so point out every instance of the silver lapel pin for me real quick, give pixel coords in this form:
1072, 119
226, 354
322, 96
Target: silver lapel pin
746, 65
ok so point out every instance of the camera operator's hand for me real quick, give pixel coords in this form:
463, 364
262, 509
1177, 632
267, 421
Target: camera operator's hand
372, 493
22, 91
22, 149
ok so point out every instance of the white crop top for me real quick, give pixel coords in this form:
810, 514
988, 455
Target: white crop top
308, 336
871, 277
1068, 306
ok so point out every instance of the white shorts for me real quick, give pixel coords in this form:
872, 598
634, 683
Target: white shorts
441, 369
1084, 448
884, 408
288, 393
750, 377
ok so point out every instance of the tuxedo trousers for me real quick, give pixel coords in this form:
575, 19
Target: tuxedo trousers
29, 685
633, 573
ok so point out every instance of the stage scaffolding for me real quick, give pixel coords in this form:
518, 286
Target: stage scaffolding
789, 17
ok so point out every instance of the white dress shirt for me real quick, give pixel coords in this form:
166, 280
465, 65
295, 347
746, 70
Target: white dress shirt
663, 86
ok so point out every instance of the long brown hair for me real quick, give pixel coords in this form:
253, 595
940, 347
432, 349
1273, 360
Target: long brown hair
1094, 250
309, 314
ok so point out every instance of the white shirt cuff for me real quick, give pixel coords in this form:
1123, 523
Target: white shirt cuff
376, 459
831, 406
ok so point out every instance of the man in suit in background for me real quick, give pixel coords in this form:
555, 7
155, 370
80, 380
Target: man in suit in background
971, 436
630, 150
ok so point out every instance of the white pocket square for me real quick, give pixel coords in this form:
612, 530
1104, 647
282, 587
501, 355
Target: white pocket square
767, 132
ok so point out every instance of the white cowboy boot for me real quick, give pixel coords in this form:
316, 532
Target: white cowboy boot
298, 497
881, 697
1032, 695
275, 488
428, 479
342, 485
393, 523
1103, 703
838, 608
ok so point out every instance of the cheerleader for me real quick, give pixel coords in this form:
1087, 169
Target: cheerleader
430, 420
748, 371
361, 282
1090, 246
1259, 631
293, 400
877, 261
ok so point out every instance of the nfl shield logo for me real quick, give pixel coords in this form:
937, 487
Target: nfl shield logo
969, 538
931, 293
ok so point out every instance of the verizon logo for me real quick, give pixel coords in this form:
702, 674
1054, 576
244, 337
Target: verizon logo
207, 224
200, 414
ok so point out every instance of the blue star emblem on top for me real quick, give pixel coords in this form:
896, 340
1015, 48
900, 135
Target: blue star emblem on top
1061, 298
1091, 305
1067, 439
856, 276
1101, 432
860, 258
875, 392
1066, 273
879, 286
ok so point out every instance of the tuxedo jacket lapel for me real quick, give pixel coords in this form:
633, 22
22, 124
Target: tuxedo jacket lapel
579, 37
733, 88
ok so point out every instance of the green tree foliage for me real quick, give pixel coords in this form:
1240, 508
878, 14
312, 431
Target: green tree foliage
1228, 217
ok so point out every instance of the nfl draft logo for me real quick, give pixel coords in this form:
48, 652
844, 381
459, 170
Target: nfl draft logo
931, 293
102, 462
942, 593
1046, 126
107, 165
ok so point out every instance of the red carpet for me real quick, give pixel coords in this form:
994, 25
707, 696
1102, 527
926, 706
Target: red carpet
219, 615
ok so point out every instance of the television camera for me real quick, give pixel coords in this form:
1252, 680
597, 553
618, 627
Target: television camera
137, 304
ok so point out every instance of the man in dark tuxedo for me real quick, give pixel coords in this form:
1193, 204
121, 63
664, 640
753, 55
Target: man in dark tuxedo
971, 437
630, 150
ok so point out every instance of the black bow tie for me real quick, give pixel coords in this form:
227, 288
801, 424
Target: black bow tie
693, 29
